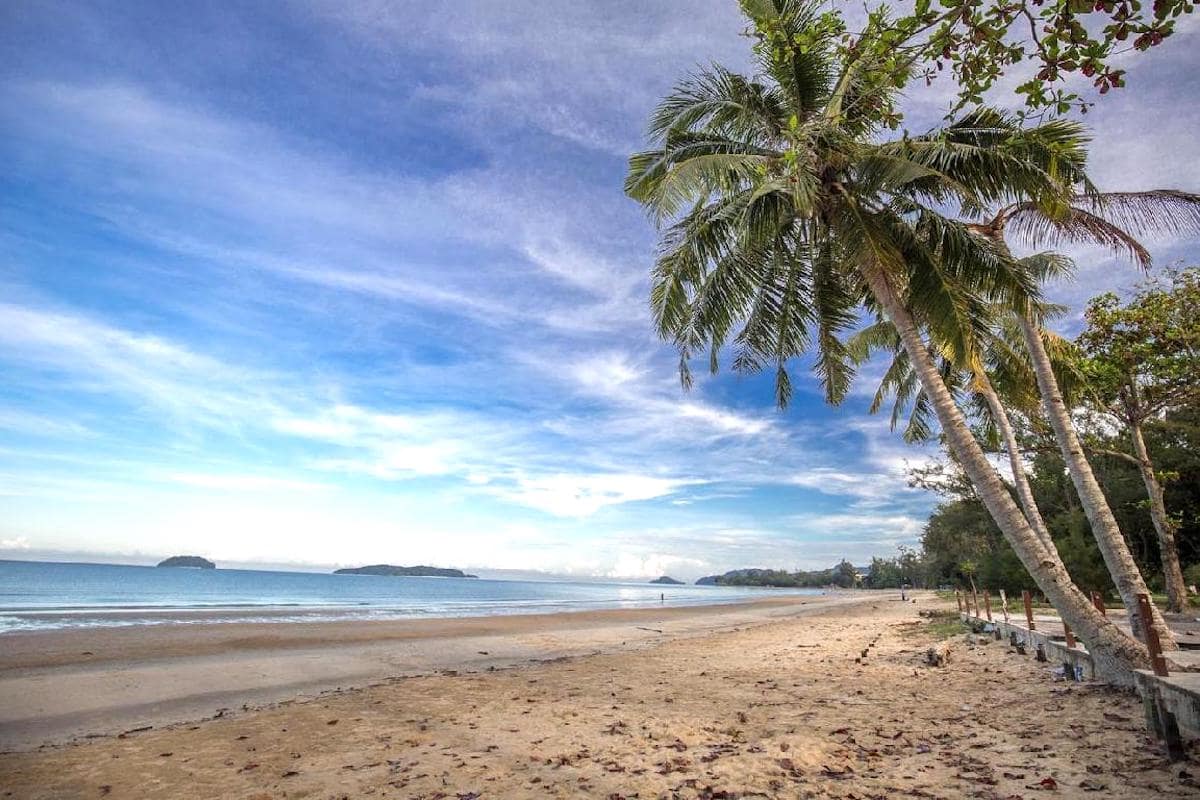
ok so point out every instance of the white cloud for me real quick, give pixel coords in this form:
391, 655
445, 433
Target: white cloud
581, 495
245, 483
576, 71
97, 357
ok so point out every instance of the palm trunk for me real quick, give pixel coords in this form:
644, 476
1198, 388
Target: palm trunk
1115, 655
1113, 547
1164, 526
1020, 479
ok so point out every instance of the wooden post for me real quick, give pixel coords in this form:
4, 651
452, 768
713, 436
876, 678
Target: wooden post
1004, 605
975, 601
1028, 609
1070, 636
1098, 602
958, 597
1165, 724
987, 605
1151, 636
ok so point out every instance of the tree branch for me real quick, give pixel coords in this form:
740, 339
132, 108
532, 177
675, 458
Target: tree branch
1115, 454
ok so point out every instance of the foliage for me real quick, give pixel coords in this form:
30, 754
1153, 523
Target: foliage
843, 575
777, 197
939, 626
960, 531
1001, 355
979, 42
1144, 357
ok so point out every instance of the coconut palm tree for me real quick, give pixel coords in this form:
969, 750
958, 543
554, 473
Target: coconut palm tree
1105, 219
998, 362
784, 215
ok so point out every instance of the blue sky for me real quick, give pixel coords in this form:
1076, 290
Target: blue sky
325, 283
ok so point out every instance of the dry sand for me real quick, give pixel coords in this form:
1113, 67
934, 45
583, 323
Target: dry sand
769, 702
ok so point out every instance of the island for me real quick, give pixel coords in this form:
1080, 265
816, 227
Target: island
410, 572
667, 580
191, 562
844, 575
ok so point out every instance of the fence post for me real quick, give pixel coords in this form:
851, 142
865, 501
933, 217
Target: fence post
958, 598
1098, 602
975, 600
987, 605
1151, 636
1004, 605
1165, 724
1028, 608
1070, 636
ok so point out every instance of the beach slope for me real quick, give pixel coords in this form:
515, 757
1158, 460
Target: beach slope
775, 703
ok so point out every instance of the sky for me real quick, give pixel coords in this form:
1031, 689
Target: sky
322, 283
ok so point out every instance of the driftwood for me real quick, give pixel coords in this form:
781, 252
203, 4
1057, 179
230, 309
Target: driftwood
938, 655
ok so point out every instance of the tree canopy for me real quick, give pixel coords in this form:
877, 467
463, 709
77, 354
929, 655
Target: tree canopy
1143, 357
1070, 51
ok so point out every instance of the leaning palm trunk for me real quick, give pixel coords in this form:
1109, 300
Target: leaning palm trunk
793, 202
1113, 548
1164, 526
1115, 655
1020, 480
1105, 219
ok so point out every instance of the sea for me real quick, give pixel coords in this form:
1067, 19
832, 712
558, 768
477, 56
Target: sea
39, 595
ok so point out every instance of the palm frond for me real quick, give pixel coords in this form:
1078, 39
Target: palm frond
1074, 226
717, 99
1158, 211
879, 335
805, 76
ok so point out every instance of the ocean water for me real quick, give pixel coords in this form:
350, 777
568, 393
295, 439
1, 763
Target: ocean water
47, 595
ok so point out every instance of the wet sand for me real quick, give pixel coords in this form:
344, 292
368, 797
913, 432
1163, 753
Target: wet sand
58, 685
767, 702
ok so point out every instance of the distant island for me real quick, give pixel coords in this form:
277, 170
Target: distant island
411, 572
194, 562
843, 574
668, 581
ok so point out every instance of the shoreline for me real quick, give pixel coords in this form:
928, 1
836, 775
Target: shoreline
59, 685
141, 616
830, 700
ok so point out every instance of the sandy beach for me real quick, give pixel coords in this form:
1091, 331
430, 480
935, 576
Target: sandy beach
755, 700
59, 685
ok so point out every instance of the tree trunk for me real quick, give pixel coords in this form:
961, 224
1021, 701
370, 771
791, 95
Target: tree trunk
1115, 655
1020, 479
1113, 547
1164, 526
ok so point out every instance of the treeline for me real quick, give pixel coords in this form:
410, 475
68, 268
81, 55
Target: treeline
961, 544
884, 573
907, 569
844, 575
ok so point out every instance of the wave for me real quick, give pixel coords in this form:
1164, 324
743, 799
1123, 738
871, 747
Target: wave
60, 619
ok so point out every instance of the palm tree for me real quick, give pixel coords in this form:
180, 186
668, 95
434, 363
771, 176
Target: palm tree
1102, 219
784, 216
998, 361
